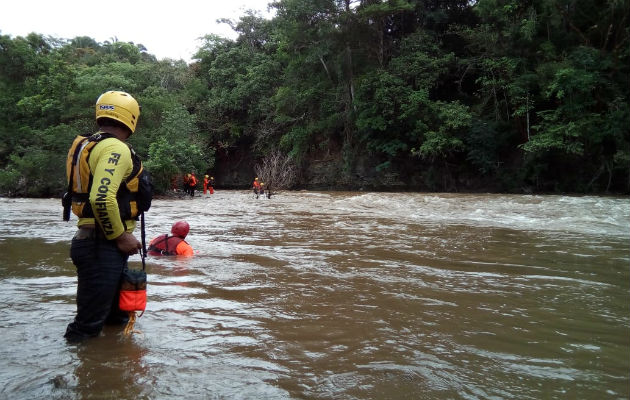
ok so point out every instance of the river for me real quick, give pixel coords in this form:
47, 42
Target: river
336, 295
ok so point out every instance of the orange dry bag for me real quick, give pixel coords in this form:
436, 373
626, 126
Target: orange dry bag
133, 290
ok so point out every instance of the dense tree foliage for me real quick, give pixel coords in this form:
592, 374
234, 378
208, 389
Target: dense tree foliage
499, 95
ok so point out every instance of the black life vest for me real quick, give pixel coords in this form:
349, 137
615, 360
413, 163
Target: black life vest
134, 195
165, 246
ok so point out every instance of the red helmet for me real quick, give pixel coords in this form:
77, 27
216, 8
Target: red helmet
180, 228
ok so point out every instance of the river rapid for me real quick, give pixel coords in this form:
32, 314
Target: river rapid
336, 295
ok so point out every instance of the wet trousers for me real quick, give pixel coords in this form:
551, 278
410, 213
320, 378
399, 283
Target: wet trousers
99, 266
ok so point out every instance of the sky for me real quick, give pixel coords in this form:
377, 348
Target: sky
167, 29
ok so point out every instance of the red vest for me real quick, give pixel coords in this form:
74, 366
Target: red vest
164, 245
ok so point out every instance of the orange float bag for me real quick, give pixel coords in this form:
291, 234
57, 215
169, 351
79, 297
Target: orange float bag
133, 290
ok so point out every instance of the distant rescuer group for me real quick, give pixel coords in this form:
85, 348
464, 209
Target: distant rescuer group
191, 181
109, 191
259, 189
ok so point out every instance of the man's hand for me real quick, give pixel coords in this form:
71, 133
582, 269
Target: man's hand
128, 244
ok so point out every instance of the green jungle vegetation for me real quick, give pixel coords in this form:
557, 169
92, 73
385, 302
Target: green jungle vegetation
424, 95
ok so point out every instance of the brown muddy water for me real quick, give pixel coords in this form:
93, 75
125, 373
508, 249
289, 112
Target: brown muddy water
313, 295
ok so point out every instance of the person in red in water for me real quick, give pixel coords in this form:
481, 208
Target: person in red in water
256, 187
208, 184
172, 245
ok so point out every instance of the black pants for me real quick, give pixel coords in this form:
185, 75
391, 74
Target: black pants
99, 266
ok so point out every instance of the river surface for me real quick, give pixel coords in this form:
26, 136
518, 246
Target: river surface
344, 295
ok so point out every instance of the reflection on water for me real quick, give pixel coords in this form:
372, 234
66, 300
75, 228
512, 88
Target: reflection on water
111, 366
337, 295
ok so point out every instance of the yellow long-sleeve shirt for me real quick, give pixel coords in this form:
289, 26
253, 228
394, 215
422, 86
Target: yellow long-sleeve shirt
110, 163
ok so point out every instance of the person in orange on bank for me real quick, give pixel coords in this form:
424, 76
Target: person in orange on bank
172, 245
207, 185
192, 183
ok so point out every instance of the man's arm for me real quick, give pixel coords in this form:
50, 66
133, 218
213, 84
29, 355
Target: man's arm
111, 162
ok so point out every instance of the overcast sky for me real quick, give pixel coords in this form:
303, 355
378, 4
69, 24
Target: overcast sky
166, 29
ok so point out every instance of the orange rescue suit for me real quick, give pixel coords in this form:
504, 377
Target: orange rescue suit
207, 185
192, 182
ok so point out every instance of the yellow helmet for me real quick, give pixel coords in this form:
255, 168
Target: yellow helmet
119, 106
205, 176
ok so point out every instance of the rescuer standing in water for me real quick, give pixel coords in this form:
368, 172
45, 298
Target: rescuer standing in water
107, 189
192, 184
208, 185
256, 187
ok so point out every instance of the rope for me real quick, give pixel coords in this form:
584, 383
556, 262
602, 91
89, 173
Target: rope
130, 324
